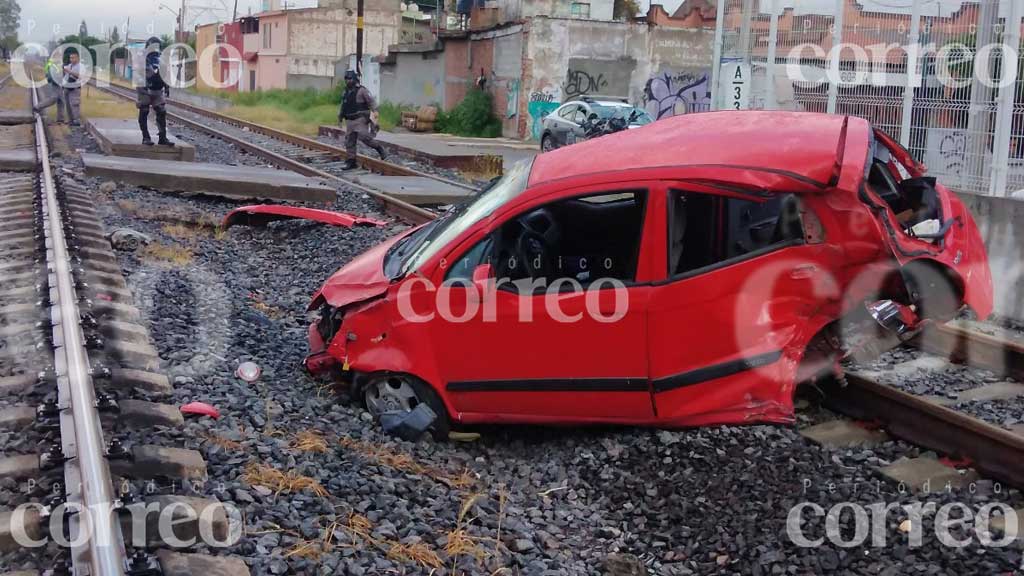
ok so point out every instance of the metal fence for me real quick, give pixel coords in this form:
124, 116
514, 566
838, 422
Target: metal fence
944, 77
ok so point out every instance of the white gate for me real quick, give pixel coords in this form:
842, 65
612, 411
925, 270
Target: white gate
932, 73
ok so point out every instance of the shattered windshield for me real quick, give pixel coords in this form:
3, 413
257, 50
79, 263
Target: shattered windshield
462, 217
640, 117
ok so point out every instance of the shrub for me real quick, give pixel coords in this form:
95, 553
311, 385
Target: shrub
391, 115
474, 116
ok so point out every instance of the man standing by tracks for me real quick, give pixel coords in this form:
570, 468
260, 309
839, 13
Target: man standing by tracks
358, 110
63, 88
153, 93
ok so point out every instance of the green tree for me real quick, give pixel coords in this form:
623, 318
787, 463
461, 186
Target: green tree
625, 9
10, 20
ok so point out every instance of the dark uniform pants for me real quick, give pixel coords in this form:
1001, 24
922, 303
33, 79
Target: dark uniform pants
358, 130
152, 99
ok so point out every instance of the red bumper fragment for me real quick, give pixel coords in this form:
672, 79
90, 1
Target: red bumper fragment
260, 215
318, 361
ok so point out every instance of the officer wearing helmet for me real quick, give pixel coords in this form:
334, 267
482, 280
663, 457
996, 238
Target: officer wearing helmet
358, 110
153, 93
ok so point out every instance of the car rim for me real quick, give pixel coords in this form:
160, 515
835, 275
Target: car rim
546, 145
390, 394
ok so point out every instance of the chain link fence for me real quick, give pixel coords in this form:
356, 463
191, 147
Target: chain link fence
941, 76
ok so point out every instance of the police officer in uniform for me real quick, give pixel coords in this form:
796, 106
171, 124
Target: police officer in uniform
358, 108
153, 94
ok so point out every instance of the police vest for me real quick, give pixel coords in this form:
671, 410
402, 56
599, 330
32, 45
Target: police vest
350, 106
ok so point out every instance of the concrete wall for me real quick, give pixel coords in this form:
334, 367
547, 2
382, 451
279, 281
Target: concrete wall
515, 10
1002, 226
416, 78
664, 70
206, 37
273, 73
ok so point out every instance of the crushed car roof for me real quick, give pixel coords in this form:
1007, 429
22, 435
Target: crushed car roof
800, 146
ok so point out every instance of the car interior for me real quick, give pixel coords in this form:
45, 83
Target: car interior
580, 238
914, 201
705, 229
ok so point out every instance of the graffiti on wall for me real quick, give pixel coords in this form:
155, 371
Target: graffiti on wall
946, 154
584, 76
542, 103
580, 82
512, 98
675, 93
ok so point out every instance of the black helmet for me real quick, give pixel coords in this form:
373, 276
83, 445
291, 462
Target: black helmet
153, 40
351, 75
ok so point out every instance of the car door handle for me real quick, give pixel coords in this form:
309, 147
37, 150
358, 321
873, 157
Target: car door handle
803, 272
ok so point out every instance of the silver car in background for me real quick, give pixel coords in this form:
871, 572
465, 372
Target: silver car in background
567, 124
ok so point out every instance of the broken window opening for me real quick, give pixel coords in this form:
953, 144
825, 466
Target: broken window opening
584, 239
914, 202
708, 231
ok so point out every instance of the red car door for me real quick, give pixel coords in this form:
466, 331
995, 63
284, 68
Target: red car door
553, 356
742, 291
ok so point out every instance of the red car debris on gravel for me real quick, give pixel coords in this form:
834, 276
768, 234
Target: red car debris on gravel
752, 250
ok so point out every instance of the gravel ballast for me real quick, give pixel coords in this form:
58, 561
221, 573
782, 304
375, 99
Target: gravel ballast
520, 500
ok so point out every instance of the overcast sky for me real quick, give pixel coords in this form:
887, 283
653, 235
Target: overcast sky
40, 17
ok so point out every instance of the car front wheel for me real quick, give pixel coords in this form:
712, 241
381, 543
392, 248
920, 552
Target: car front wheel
403, 393
547, 143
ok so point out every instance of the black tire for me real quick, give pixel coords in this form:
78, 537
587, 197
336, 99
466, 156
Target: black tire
423, 393
547, 143
933, 291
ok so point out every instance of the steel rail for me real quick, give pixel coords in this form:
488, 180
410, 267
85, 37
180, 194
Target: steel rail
975, 349
991, 450
105, 545
409, 212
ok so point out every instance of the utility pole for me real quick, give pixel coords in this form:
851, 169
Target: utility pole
359, 37
234, 13
181, 22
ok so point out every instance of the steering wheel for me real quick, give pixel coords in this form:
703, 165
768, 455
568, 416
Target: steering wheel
539, 235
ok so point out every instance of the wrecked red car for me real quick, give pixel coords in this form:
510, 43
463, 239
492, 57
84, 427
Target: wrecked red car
689, 272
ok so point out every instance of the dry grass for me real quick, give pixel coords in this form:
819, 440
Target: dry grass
174, 254
268, 310
97, 104
279, 482
223, 442
308, 549
417, 553
14, 97
406, 463
309, 441
195, 220
460, 543
189, 233
275, 118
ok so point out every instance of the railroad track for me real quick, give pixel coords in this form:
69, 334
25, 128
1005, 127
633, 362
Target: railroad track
992, 450
297, 153
938, 423
74, 362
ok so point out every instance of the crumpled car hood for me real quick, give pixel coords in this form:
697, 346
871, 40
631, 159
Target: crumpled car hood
361, 279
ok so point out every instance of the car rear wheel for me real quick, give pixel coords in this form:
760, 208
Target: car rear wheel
933, 291
403, 393
547, 143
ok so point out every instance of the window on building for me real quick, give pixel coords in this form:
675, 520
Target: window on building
706, 230
267, 36
580, 10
